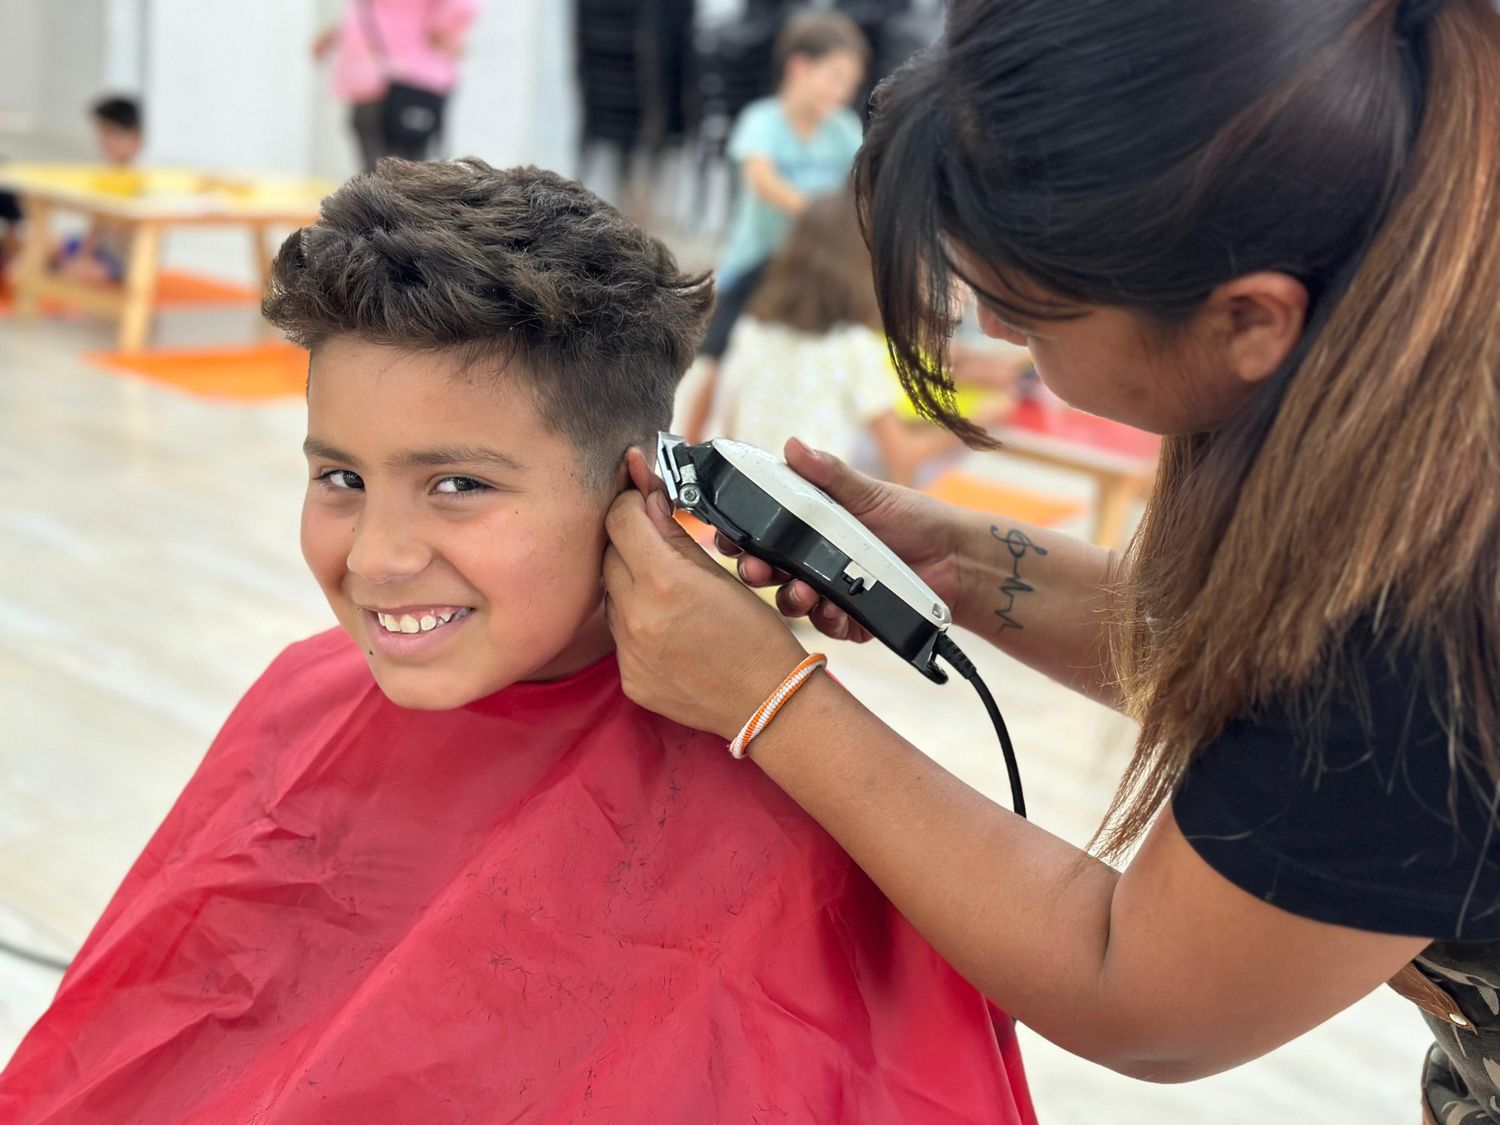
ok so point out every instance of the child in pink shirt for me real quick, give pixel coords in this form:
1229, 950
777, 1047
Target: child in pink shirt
411, 45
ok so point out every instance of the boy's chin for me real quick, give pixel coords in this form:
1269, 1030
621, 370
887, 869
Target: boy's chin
424, 691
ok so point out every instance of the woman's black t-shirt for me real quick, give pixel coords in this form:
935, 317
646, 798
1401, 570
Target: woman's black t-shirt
1343, 807
1350, 806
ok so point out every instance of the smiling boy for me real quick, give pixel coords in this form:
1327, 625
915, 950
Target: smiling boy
437, 867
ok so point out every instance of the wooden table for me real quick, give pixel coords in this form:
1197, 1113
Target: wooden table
1121, 460
146, 203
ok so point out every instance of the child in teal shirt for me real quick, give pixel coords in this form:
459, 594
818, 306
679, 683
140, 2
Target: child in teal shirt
799, 143
790, 148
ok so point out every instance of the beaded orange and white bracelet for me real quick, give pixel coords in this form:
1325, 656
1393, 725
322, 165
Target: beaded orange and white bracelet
778, 699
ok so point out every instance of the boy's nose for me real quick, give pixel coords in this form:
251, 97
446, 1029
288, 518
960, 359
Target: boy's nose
385, 550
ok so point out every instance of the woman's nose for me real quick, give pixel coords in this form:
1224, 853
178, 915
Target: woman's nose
996, 329
386, 548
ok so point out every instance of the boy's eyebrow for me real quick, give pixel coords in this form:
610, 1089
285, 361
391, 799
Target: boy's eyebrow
447, 455
312, 447
458, 455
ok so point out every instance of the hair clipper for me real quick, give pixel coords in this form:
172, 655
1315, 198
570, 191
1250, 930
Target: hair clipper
758, 503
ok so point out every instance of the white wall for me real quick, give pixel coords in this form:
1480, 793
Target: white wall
518, 103
229, 85
21, 66
124, 45
235, 86
51, 69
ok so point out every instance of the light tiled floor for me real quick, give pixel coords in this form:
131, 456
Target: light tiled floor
149, 570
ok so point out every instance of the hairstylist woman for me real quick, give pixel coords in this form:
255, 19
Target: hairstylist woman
1269, 230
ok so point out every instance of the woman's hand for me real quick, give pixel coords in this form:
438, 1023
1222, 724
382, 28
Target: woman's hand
922, 531
693, 644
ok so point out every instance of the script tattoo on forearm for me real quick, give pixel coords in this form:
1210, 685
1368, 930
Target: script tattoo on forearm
1019, 545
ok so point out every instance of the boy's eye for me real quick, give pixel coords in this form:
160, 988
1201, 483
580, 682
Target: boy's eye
341, 480
455, 486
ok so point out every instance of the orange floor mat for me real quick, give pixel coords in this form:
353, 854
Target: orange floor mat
981, 495
174, 290
253, 373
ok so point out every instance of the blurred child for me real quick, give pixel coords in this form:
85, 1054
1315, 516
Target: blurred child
98, 256
396, 63
809, 356
10, 230
789, 148
437, 867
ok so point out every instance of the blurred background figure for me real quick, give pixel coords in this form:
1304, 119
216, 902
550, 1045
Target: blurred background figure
10, 231
395, 62
119, 130
98, 254
788, 148
808, 357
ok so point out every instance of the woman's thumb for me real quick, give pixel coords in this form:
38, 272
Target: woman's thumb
853, 490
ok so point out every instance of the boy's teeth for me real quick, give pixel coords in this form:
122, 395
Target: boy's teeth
406, 623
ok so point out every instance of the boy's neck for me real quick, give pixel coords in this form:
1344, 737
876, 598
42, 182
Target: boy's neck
592, 643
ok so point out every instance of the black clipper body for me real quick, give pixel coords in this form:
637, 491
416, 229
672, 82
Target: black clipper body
766, 509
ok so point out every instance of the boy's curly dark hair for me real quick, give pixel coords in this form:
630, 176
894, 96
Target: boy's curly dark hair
502, 265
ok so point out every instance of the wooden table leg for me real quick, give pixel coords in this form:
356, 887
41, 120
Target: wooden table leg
264, 251
31, 264
1115, 495
140, 285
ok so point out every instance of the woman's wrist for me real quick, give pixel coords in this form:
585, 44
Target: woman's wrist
760, 676
804, 726
975, 574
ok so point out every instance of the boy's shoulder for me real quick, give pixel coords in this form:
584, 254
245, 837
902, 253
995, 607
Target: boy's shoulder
310, 673
331, 652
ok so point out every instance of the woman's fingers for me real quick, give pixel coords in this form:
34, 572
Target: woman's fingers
641, 475
756, 573
831, 621
796, 599
854, 490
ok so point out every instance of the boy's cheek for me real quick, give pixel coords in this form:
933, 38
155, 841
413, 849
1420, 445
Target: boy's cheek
325, 547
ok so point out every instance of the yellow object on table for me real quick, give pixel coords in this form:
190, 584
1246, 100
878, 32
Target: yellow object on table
145, 203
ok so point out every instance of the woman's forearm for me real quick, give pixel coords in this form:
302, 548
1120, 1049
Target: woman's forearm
1020, 913
1042, 597
1166, 972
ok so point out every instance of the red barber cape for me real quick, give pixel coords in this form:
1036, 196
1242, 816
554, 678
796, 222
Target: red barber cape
549, 906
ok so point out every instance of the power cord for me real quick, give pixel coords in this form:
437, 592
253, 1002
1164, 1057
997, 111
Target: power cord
965, 668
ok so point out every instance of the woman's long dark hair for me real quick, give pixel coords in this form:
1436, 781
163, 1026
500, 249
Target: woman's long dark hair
1140, 153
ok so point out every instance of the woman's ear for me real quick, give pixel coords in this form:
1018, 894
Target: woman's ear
1260, 318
